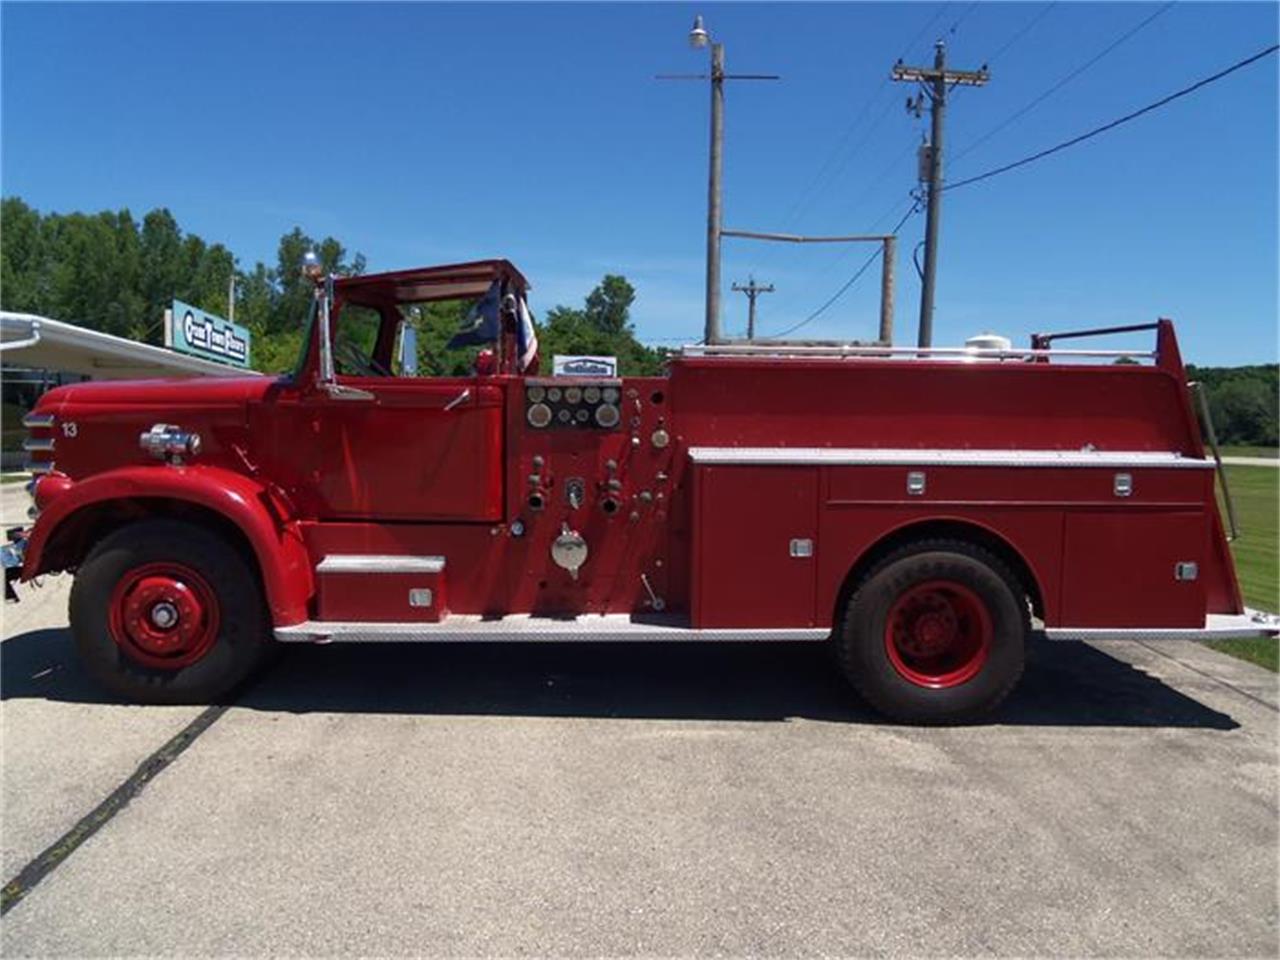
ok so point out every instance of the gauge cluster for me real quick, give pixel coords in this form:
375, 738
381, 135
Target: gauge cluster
573, 404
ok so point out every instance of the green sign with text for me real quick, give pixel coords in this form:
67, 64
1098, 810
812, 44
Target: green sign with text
201, 334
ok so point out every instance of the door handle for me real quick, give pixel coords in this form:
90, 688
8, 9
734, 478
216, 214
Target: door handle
461, 398
340, 391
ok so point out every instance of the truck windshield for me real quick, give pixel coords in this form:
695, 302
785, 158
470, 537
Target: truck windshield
355, 341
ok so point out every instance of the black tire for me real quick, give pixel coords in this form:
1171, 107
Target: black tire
239, 643
867, 651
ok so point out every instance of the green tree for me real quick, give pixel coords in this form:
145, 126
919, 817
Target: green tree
602, 326
1243, 401
21, 255
108, 272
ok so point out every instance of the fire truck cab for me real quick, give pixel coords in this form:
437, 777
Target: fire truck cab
919, 510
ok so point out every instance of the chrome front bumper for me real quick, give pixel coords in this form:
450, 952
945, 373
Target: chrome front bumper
1217, 626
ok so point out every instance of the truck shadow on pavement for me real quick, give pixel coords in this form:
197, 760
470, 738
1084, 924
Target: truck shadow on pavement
1065, 684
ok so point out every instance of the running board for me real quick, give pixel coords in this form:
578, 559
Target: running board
1217, 626
586, 628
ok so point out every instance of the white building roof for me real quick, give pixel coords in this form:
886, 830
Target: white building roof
33, 341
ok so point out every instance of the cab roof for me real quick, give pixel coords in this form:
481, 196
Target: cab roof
457, 281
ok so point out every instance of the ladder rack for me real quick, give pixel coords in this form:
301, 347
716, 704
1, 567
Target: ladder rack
859, 350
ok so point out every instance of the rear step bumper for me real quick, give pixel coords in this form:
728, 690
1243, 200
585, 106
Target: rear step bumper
583, 629
1217, 626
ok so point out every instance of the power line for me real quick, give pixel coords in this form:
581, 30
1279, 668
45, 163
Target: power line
866, 265
1115, 123
1061, 83
844, 152
951, 31
813, 276
816, 185
1021, 33
875, 181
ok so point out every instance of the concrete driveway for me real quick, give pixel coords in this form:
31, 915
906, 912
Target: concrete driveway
658, 800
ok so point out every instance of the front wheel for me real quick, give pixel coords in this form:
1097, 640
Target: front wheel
164, 611
935, 633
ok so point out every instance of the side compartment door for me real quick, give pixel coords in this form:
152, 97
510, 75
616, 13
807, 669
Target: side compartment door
1132, 570
754, 546
416, 449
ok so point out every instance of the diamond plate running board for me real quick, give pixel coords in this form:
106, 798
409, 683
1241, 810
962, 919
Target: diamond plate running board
526, 627
1217, 626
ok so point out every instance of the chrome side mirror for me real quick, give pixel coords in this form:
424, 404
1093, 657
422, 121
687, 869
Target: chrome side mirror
322, 303
408, 349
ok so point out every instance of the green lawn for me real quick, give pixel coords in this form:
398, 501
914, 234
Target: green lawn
1256, 492
1271, 453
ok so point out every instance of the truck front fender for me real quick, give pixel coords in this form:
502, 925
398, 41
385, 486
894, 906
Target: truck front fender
262, 517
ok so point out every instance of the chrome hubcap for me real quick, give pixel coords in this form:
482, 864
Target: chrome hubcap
164, 615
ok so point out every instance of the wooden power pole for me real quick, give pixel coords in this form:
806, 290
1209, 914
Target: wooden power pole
935, 82
752, 290
700, 38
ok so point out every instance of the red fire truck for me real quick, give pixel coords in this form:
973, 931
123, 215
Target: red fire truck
921, 510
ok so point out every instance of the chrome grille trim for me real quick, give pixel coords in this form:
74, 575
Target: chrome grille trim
39, 467
34, 419
34, 444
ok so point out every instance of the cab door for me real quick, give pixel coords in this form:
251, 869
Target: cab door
426, 449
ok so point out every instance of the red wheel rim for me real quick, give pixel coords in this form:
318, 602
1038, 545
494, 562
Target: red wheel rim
938, 634
164, 615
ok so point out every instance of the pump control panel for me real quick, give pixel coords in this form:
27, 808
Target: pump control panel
561, 403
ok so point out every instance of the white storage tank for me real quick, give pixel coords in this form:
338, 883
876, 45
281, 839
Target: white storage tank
987, 341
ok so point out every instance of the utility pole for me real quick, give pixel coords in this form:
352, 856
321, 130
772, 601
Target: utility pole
699, 37
752, 290
231, 297
889, 249
935, 83
711, 333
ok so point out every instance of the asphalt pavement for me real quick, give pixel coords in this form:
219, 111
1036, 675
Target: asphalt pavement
639, 800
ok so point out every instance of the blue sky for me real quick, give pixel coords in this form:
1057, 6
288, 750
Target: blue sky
421, 133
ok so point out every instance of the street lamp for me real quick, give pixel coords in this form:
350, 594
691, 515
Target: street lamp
698, 36
698, 39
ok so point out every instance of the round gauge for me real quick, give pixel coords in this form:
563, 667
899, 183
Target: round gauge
539, 415
611, 394
536, 394
563, 416
553, 394
607, 416
572, 395
591, 394
582, 416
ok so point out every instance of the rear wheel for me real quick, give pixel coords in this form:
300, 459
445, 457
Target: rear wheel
935, 633
164, 611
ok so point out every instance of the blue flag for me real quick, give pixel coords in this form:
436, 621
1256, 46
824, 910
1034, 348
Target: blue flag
482, 324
